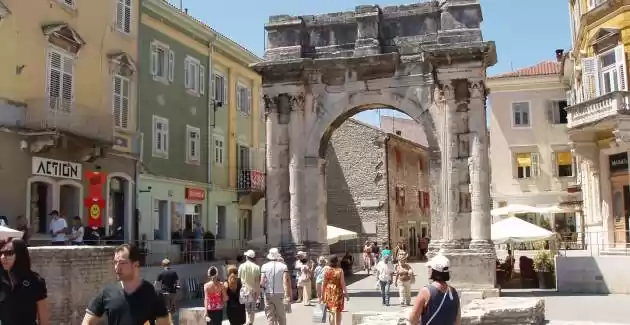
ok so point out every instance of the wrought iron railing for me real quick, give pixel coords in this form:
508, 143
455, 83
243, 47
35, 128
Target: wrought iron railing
251, 181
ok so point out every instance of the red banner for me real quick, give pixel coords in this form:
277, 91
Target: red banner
95, 210
94, 202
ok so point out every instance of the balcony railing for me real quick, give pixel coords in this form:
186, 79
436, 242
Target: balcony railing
598, 109
55, 114
251, 181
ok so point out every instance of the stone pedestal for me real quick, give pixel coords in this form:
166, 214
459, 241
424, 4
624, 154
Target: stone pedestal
472, 269
192, 316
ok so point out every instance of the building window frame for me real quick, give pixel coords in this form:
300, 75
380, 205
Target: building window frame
526, 165
161, 134
555, 111
221, 222
162, 66
521, 117
61, 98
194, 76
564, 163
600, 77
193, 145
122, 113
219, 149
124, 16
219, 90
243, 98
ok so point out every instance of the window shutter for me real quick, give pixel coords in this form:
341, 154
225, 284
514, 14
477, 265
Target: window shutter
126, 89
535, 164
620, 59
171, 65
187, 74
554, 164
202, 79
590, 78
570, 98
249, 100
574, 166
211, 86
239, 104
154, 60
226, 93
550, 113
117, 100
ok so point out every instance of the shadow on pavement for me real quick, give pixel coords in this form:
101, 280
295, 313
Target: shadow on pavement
355, 278
544, 293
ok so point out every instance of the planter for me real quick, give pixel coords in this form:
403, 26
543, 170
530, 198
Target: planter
546, 280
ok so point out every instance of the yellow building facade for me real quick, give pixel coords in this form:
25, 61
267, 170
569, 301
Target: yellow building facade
68, 99
595, 70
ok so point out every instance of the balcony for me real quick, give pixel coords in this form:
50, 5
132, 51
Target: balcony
596, 111
55, 115
251, 183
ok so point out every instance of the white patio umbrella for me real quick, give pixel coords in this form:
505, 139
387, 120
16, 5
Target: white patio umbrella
6, 232
517, 230
335, 234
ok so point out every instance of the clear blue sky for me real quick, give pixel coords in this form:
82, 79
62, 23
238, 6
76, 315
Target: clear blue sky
526, 32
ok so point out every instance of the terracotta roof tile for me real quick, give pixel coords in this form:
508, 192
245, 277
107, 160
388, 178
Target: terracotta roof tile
543, 68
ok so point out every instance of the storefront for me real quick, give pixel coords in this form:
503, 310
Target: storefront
168, 207
619, 185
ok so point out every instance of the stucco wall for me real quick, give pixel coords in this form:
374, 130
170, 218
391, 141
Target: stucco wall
592, 274
356, 175
15, 169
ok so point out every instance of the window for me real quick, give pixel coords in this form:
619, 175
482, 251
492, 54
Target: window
160, 220
564, 164
243, 99
557, 113
243, 157
221, 222
219, 88
192, 216
400, 195
526, 165
160, 136
520, 113
604, 73
193, 144
592, 4
123, 16
194, 76
218, 149
465, 204
120, 101
162, 62
60, 88
246, 224
423, 200
398, 133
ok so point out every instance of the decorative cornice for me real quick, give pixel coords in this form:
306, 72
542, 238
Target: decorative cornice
201, 30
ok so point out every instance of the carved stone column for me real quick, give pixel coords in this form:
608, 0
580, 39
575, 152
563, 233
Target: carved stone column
481, 220
277, 187
588, 162
314, 217
297, 187
367, 42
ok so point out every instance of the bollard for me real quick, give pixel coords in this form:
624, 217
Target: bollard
192, 316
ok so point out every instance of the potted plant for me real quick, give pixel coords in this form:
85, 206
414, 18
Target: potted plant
544, 266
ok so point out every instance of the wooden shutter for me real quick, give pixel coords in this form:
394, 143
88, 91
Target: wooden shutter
620, 60
554, 163
590, 78
202, 79
154, 60
535, 164
171, 66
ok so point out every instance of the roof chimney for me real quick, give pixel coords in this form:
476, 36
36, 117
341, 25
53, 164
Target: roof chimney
559, 53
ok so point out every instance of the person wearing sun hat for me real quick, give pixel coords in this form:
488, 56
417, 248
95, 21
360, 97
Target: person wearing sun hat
437, 302
249, 273
276, 282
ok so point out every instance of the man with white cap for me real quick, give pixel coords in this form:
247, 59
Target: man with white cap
249, 273
437, 303
276, 282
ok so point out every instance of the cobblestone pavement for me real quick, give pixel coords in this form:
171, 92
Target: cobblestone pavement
364, 297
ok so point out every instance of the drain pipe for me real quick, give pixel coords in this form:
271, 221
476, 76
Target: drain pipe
387, 204
211, 112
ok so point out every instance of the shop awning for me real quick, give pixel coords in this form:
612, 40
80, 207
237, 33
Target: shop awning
515, 208
335, 234
524, 159
564, 158
6, 233
516, 230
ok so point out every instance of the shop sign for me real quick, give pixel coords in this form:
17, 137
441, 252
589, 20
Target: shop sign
618, 162
195, 194
56, 168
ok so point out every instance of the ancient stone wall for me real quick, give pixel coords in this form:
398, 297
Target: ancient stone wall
73, 276
356, 180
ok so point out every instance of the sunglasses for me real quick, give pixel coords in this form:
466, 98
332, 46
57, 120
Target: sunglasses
7, 253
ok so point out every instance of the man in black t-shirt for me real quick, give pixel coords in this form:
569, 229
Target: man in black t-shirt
132, 300
168, 282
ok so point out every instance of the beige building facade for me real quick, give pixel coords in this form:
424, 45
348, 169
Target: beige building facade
531, 159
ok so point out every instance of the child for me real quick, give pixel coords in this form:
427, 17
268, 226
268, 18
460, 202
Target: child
319, 276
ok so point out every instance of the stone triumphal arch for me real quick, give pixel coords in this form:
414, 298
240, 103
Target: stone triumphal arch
425, 59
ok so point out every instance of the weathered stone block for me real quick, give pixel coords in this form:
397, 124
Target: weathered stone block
73, 274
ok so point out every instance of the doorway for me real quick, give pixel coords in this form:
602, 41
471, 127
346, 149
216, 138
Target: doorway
118, 197
41, 205
69, 201
412, 242
246, 224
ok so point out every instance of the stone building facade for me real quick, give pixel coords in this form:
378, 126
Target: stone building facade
377, 184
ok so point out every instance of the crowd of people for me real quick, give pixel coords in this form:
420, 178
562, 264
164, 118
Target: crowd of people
134, 301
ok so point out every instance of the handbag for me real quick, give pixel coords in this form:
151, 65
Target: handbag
245, 296
319, 314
